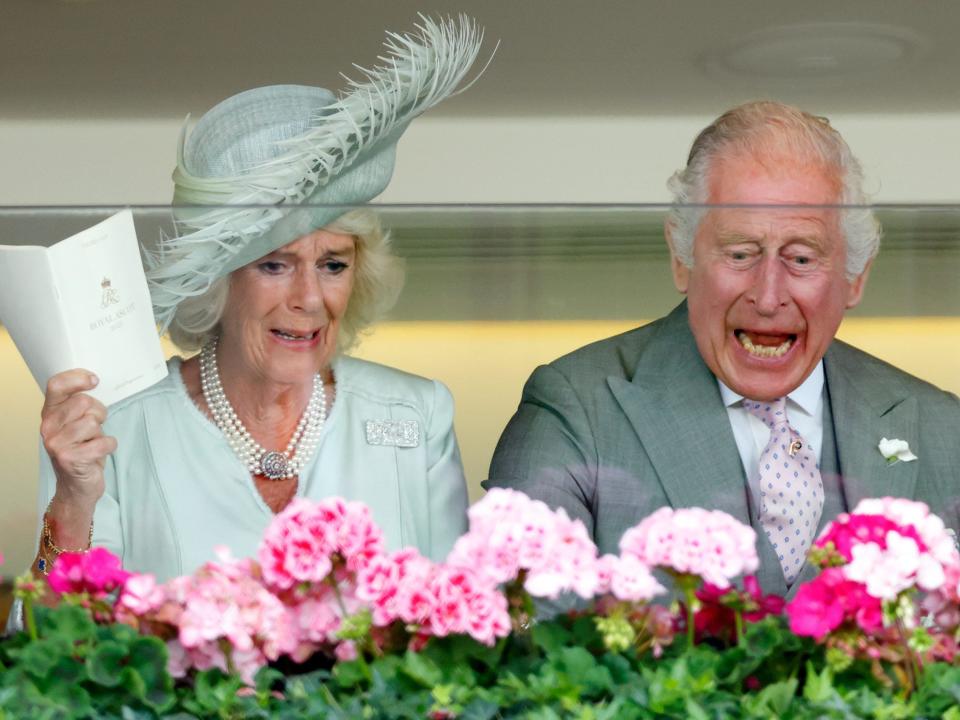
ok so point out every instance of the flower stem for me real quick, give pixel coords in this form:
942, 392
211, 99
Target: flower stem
28, 618
331, 581
367, 643
738, 625
688, 586
912, 665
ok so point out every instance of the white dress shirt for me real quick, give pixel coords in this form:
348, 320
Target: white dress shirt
804, 413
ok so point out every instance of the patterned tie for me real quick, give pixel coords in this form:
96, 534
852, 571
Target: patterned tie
791, 491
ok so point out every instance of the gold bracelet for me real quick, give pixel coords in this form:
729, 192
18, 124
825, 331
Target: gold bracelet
43, 562
49, 550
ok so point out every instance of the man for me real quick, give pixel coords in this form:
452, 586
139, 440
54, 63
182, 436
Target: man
740, 399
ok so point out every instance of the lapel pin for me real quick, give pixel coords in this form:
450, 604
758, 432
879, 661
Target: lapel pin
393, 433
795, 447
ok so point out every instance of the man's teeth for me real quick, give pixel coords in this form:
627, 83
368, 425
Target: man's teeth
764, 350
289, 336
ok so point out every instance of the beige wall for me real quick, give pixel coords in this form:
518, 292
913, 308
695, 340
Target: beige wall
484, 364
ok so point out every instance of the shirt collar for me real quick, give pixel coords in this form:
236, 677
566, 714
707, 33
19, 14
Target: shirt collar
807, 396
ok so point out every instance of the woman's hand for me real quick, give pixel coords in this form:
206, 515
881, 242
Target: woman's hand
71, 424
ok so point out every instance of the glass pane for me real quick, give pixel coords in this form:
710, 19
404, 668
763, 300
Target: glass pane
493, 291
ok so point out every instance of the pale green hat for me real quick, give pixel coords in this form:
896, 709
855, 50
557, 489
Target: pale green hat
278, 162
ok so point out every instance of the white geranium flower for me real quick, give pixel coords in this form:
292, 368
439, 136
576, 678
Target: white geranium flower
895, 450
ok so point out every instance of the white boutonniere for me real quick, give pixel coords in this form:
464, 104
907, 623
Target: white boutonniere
895, 450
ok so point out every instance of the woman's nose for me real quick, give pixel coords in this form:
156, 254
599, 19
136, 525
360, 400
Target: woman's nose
307, 292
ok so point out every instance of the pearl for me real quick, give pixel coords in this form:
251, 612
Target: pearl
257, 459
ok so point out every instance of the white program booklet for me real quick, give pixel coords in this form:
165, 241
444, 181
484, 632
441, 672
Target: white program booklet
84, 303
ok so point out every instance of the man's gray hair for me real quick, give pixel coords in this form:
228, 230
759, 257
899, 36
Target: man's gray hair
378, 279
763, 127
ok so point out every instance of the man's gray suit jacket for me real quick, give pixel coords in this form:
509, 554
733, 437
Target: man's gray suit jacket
624, 426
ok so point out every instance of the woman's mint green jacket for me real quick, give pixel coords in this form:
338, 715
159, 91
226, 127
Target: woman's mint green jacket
175, 490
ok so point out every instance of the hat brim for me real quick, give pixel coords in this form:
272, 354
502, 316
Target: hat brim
346, 158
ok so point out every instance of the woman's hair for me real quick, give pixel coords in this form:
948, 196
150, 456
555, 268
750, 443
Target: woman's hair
378, 279
768, 128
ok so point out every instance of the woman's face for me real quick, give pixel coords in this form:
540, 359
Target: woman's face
283, 311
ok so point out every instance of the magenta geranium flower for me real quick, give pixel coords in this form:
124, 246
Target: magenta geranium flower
715, 618
96, 572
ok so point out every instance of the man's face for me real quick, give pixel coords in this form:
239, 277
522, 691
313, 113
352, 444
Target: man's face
768, 286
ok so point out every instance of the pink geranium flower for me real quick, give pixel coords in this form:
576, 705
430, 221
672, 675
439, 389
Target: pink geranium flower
396, 587
438, 600
141, 595
629, 579
224, 605
708, 543
512, 534
303, 542
465, 602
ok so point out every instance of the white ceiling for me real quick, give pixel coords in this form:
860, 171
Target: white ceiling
164, 58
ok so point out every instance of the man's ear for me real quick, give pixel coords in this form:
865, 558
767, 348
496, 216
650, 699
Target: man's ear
681, 273
857, 286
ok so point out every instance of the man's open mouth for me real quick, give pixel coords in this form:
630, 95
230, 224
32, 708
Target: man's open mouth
766, 346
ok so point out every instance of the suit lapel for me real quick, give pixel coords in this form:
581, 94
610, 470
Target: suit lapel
863, 413
674, 406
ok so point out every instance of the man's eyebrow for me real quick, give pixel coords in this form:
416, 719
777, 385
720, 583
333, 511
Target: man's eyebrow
813, 241
734, 237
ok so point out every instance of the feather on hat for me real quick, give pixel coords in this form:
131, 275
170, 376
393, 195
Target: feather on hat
278, 162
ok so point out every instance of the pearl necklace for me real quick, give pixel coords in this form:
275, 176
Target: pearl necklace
257, 459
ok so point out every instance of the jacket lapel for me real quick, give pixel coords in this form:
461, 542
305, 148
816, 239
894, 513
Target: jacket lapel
674, 406
864, 412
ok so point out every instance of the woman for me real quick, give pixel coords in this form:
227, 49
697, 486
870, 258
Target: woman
270, 409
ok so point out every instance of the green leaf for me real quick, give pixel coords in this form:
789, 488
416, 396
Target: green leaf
68, 623
106, 662
619, 667
952, 714
129, 713
268, 677
695, 711
550, 635
72, 698
775, 699
41, 657
213, 691
349, 674
576, 661
148, 659
422, 669
819, 686
478, 709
